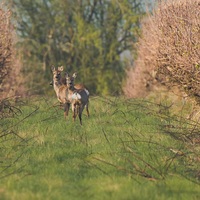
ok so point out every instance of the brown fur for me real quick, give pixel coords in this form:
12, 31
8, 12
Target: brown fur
60, 89
79, 98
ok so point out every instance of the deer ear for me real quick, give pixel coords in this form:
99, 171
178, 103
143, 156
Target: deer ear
61, 68
53, 68
74, 75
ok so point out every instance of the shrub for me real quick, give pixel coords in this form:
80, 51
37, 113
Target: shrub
5, 44
168, 51
11, 79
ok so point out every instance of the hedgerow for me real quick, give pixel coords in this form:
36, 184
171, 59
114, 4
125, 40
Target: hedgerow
168, 50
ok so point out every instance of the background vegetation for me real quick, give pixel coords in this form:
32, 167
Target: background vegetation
6, 43
84, 36
168, 51
11, 78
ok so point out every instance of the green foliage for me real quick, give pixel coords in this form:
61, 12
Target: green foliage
126, 149
83, 36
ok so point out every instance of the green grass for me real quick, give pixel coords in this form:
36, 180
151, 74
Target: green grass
126, 149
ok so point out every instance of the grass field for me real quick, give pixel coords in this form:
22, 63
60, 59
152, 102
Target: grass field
126, 149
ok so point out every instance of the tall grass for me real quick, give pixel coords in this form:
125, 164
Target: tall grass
126, 149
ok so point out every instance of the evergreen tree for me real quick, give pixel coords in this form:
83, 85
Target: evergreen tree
87, 36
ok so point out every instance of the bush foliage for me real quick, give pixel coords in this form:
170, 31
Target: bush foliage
169, 49
5, 44
11, 79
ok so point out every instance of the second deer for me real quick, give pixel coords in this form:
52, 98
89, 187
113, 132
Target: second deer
79, 98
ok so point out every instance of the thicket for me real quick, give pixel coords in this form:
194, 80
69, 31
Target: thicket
11, 79
169, 50
9, 153
6, 49
84, 36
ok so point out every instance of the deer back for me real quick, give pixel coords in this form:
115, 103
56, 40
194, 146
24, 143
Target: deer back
82, 96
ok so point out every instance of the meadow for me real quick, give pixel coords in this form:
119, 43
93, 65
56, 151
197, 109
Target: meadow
126, 149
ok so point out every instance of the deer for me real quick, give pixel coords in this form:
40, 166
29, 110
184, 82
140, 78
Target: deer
79, 98
61, 88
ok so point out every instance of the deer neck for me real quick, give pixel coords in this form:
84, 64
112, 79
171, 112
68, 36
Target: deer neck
72, 88
70, 92
57, 86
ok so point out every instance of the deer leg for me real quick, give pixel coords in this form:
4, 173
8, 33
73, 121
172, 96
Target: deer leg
80, 109
74, 111
65, 110
87, 110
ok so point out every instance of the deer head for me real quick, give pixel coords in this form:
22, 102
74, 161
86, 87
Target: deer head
57, 74
70, 80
